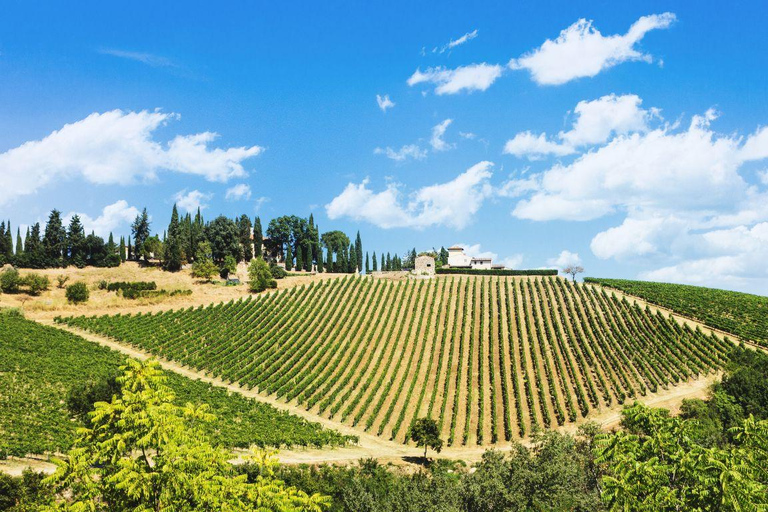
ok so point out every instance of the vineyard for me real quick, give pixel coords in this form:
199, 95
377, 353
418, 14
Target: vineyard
40, 365
742, 314
490, 358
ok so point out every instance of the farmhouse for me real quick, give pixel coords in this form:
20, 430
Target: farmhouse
424, 265
457, 259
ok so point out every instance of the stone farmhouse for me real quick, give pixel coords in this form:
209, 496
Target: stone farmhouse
458, 259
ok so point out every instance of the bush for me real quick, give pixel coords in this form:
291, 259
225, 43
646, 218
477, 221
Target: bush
277, 272
36, 283
494, 272
77, 293
103, 284
61, 280
135, 286
228, 267
10, 281
260, 277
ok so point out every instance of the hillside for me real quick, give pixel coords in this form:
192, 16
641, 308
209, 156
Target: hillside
491, 358
40, 366
742, 314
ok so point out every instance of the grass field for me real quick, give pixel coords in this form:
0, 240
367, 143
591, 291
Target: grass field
742, 314
490, 358
40, 365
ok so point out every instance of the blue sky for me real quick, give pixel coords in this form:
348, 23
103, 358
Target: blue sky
627, 136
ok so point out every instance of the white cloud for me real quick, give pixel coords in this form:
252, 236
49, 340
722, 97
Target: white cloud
384, 102
259, 202
535, 147
565, 259
149, 59
438, 131
763, 176
659, 170
112, 216
468, 135
457, 42
582, 51
474, 77
409, 151
756, 146
239, 192
115, 147
192, 200
452, 204
595, 122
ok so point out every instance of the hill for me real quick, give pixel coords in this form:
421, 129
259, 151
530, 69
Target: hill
491, 358
741, 314
40, 367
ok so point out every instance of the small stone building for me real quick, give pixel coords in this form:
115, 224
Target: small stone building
424, 265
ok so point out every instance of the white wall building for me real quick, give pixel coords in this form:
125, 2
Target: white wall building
457, 259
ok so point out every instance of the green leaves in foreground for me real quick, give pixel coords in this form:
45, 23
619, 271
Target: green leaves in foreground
144, 453
654, 465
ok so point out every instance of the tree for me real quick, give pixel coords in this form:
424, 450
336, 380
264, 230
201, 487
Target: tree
77, 292
359, 252
142, 452
203, 267
129, 252
426, 432
258, 238
367, 264
172, 248
140, 232
352, 263
223, 235
122, 249
288, 258
299, 258
375, 266
443, 255
246, 243
229, 266
259, 276
572, 270
54, 240
319, 259
19, 246
10, 280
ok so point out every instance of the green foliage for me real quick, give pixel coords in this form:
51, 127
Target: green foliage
655, 464
203, 267
228, 266
35, 283
173, 247
741, 314
124, 286
277, 271
426, 432
259, 276
61, 281
24, 493
140, 232
746, 380
143, 452
10, 281
224, 237
77, 293
288, 258
500, 272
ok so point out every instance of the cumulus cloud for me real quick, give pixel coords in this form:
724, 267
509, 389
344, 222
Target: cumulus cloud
582, 51
565, 259
259, 202
112, 217
434, 205
412, 151
596, 121
474, 77
192, 200
476, 251
438, 131
453, 43
384, 102
115, 147
239, 192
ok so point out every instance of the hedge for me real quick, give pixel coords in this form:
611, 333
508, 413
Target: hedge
496, 272
137, 286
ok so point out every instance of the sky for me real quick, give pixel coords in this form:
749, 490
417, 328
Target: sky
628, 137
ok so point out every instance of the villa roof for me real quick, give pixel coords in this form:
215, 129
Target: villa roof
455, 248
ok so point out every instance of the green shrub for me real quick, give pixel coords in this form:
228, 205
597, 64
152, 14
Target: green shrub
260, 277
36, 283
10, 281
136, 286
277, 272
77, 293
61, 280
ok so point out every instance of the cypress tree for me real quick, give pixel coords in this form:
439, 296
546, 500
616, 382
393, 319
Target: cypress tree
8, 241
172, 246
129, 254
329, 261
319, 259
246, 242
359, 252
258, 238
388, 264
75, 242
299, 258
367, 264
288, 258
19, 247
352, 261
122, 249
375, 265
2, 240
